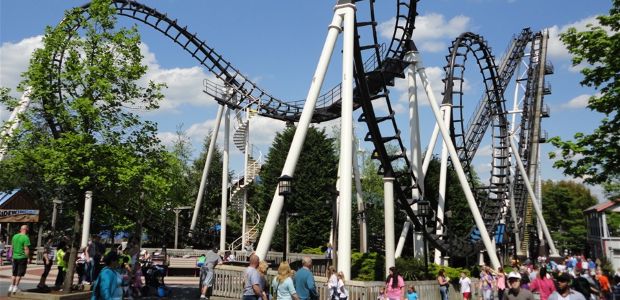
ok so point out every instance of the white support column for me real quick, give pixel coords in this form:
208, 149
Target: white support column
388, 194
415, 156
458, 168
13, 122
513, 215
225, 161
431, 147
300, 134
88, 208
446, 109
402, 239
205, 171
361, 208
346, 142
553, 252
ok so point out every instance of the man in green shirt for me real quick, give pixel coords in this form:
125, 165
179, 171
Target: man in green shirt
21, 255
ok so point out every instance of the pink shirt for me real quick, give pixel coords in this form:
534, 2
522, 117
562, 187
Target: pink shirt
395, 293
543, 286
501, 281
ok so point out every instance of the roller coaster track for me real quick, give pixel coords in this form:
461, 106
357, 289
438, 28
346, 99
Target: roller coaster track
490, 110
530, 134
376, 67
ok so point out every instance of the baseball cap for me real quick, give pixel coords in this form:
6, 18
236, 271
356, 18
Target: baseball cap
514, 275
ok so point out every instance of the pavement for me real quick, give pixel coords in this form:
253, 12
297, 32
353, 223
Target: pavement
181, 287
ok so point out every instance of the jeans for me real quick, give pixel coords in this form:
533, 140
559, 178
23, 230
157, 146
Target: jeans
60, 279
443, 290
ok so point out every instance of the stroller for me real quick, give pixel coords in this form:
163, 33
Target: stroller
154, 279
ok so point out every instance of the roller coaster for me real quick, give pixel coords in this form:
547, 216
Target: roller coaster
376, 67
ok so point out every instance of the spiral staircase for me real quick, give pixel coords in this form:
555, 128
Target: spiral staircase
239, 187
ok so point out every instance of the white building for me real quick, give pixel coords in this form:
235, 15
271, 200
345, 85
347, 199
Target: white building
599, 240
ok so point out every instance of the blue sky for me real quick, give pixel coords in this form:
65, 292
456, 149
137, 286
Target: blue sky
277, 44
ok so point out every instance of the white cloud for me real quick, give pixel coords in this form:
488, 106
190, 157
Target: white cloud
578, 102
555, 47
432, 32
185, 85
14, 59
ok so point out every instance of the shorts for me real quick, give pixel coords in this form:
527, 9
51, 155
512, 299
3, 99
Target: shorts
466, 295
19, 267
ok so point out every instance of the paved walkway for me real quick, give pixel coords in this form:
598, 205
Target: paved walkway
182, 287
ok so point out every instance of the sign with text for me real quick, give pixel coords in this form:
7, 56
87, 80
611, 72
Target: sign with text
19, 215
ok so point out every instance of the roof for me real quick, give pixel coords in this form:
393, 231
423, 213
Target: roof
602, 206
4, 197
16, 199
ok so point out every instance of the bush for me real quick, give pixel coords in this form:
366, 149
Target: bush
367, 266
411, 268
316, 250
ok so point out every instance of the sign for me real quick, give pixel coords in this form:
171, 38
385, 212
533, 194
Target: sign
19, 215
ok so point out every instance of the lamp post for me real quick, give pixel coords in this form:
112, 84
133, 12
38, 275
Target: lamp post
424, 211
177, 210
285, 188
56, 202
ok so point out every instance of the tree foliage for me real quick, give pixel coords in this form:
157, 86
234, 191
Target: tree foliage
595, 157
315, 176
563, 203
80, 132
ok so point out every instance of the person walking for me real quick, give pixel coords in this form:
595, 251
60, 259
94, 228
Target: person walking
465, 284
332, 283
108, 285
515, 292
207, 272
61, 262
500, 279
263, 266
444, 284
21, 256
542, 286
251, 286
48, 261
564, 292
282, 285
486, 283
394, 285
304, 281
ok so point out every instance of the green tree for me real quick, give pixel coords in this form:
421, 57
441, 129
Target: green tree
595, 157
563, 203
78, 134
314, 176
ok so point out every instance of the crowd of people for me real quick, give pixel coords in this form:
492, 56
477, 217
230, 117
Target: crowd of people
113, 271
116, 273
576, 278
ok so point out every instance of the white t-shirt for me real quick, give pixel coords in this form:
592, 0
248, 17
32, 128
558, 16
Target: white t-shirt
465, 285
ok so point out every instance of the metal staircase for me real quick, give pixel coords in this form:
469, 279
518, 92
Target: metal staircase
239, 188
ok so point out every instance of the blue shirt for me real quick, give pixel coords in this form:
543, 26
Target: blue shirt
304, 284
285, 290
412, 296
251, 278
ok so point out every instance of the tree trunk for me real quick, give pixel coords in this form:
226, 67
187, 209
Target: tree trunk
72, 255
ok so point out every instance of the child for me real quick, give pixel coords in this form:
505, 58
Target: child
411, 293
381, 294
